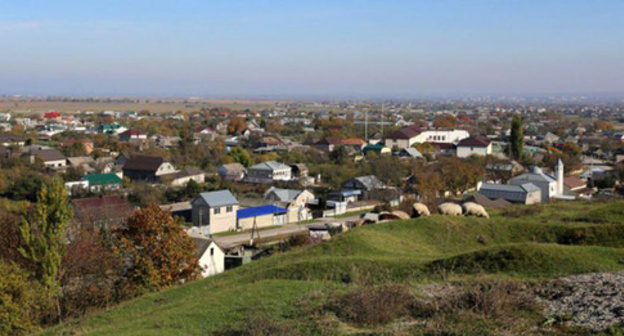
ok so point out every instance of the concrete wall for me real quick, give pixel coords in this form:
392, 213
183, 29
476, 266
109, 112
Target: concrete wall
261, 222
464, 152
221, 222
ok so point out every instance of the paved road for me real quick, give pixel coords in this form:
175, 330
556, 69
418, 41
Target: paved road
269, 235
265, 235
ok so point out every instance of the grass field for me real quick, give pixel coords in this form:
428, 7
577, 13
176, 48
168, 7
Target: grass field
290, 290
27, 107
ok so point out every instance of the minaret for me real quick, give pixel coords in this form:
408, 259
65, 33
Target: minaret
559, 172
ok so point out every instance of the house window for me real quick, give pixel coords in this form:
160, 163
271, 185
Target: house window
228, 208
217, 211
211, 251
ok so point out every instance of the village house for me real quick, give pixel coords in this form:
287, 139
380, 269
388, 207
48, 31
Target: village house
299, 170
269, 171
363, 187
100, 182
147, 168
86, 144
215, 210
548, 185
103, 211
378, 149
132, 134
205, 133
8, 140
232, 172
184, 176
326, 144
295, 201
403, 138
51, 158
86, 164
480, 146
210, 256
356, 143
526, 193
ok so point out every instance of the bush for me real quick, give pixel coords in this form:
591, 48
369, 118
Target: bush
21, 301
295, 241
522, 211
255, 325
372, 305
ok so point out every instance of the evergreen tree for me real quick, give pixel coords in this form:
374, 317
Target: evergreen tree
516, 140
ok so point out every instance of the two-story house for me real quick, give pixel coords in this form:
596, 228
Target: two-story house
215, 210
147, 168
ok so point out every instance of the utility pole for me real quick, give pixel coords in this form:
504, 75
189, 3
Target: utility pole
366, 125
382, 120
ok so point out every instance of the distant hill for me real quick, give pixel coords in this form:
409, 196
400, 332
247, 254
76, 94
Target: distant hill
428, 276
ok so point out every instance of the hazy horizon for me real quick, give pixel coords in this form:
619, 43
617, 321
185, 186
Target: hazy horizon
311, 49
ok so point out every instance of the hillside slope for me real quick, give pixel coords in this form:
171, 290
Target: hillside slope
291, 293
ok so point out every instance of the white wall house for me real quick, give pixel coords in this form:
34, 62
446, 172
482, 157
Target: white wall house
210, 256
546, 183
215, 210
474, 146
442, 136
269, 171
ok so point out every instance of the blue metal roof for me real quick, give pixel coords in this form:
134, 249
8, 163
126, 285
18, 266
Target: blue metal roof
262, 210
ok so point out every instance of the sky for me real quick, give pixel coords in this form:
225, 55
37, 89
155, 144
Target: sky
257, 48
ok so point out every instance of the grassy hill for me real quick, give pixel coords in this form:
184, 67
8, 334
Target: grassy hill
308, 290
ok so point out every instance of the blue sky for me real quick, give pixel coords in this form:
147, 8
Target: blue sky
302, 48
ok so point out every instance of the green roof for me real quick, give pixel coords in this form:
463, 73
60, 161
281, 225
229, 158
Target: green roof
102, 179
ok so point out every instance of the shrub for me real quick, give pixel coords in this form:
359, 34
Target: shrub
372, 305
522, 211
21, 301
258, 325
489, 299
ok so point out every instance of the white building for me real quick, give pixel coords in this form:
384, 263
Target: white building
481, 146
442, 136
551, 186
210, 256
269, 171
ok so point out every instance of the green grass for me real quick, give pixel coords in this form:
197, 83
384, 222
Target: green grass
554, 240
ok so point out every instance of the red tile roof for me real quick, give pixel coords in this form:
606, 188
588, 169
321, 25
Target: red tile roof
404, 133
475, 142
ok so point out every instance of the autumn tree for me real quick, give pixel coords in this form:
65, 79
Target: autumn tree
43, 234
445, 121
516, 139
236, 125
160, 254
603, 125
89, 271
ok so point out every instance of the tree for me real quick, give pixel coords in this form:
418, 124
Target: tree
516, 138
20, 301
603, 125
445, 121
236, 125
43, 234
89, 271
241, 156
339, 155
158, 250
